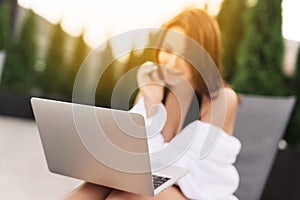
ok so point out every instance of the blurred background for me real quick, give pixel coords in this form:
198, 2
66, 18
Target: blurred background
43, 43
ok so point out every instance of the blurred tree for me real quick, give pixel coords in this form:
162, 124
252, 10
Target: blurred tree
19, 73
8, 11
261, 51
52, 80
80, 53
106, 81
232, 29
13, 17
4, 24
293, 129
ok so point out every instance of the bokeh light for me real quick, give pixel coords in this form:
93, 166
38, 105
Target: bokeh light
290, 17
102, 19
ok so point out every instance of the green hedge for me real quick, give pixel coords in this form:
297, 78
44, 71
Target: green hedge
293, 130
253, 56
259, 66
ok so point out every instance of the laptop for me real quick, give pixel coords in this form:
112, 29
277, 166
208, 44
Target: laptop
100, 145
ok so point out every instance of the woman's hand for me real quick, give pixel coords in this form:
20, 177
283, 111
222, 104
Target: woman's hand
150, 84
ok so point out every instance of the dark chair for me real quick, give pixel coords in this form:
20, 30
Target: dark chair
260, 125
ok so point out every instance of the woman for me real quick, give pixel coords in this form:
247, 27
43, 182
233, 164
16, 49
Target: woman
168, 85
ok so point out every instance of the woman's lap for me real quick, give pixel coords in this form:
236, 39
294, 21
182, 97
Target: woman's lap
88, 191
91, 191
171, 193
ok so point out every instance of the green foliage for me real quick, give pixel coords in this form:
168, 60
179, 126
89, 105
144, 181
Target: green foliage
261, 51
52, 80
80, 53
4, 24
293, 130
57, 80
19, 73
232, 29
106, 81
297, 75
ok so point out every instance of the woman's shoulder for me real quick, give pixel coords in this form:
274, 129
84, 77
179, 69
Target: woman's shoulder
226, 102
225, 95
231, 96
231, 106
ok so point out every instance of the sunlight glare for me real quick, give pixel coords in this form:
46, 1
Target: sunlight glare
102, 19
291, 15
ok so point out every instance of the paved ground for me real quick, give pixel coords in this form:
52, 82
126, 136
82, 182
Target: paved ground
23, 170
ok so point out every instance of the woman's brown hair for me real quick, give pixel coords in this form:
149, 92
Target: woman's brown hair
203, 29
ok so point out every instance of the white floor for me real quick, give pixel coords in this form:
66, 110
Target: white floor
23, 170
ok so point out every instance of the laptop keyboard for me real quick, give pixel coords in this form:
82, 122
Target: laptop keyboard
159, 180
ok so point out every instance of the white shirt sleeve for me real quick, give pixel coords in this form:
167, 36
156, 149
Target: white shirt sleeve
213, 177
154, 124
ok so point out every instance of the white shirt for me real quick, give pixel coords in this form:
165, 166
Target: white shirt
213, 177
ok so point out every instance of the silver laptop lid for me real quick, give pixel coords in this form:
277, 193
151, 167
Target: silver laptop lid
74, 139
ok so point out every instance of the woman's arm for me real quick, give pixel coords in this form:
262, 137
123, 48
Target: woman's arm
150, 85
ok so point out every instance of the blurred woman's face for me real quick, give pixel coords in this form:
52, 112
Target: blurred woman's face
175, 68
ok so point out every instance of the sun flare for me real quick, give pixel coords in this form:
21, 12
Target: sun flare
101, 19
